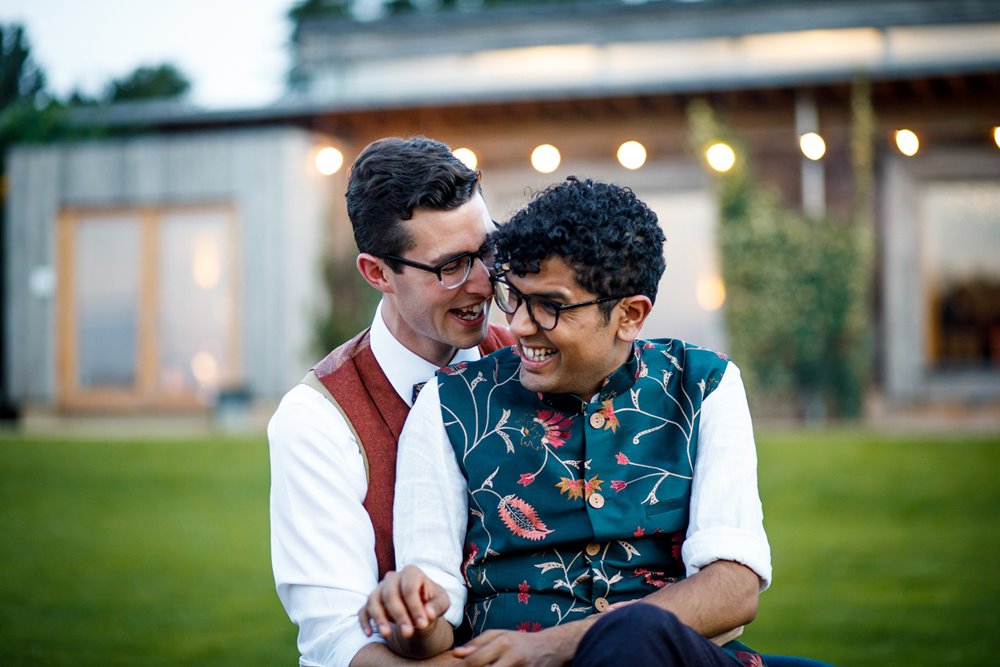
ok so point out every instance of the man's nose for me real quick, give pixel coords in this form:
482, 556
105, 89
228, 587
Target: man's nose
479, 280
520, 322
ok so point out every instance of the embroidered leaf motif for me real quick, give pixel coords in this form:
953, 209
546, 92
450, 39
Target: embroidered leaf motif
479, 378
629, 549
635, 397
492, 552
521, 518
506, 439
592, 485
561, 583
580, 610
545, 567
488, 484
503, 419
573, 488
582, 577
615, 579
611, 420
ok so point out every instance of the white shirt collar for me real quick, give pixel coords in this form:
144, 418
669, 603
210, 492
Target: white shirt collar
403, 367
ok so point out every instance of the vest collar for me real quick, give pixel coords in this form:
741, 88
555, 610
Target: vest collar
616, 384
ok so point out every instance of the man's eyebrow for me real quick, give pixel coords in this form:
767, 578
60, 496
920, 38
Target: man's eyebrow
444, 257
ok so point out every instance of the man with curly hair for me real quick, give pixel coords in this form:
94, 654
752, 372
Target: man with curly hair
545, 488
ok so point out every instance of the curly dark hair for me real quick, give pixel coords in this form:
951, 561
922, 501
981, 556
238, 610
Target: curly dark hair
393, 176
611, 239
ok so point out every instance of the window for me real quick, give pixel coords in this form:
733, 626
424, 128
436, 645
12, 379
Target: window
961, 247
147, 307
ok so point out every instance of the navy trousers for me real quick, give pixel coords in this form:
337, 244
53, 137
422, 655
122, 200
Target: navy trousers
643, 634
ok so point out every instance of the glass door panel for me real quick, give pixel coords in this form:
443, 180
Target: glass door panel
195, 302
106, 286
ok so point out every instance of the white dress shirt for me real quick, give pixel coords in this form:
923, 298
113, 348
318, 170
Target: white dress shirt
430, 511
322, 540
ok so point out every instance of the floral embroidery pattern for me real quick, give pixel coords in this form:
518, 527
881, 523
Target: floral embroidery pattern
554, 430
748, 659
576, 489
487, 414
651, 577
521, 518
610, 420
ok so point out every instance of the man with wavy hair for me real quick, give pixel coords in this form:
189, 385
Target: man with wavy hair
545, 488
421, 226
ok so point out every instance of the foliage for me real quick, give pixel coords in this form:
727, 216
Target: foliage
147, 83
20, 78
155, 553
351, 302
797, 309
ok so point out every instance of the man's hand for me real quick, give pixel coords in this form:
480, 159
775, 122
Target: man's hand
506, 648
406, 608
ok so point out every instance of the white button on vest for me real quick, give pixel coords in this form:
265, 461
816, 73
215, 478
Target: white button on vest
601, 605
597, 420
596, 501
593, 549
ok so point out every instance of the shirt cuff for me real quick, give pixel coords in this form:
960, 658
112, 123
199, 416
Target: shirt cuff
707, 546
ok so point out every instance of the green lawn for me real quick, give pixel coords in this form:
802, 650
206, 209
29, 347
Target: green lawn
156, 552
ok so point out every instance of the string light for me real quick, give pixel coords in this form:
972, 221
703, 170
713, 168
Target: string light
720, 157
907, 142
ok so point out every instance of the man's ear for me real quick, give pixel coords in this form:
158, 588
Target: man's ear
374, 271
634, 310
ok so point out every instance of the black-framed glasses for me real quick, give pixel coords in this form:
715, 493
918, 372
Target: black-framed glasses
543, 312
453, 272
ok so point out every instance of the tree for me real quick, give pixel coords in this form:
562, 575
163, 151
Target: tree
148, 82
21, 80
798, 289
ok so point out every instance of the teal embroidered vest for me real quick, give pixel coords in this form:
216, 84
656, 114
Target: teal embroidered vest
573, 505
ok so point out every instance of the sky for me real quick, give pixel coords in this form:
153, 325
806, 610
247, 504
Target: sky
234, 52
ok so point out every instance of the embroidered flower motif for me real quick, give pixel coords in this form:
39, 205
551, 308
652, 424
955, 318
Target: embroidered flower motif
643, 369
455, 369
592, 485
523, 589
547, 428
556, 427
522, 519
622, 459
526, 478
528, 626
572, 487
650, 577
471, 551
722, 356
611, 421
748, 659
618, 484
639, 531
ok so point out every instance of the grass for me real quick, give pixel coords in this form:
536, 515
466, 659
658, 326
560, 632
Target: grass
884, 548
156, 552
126, 553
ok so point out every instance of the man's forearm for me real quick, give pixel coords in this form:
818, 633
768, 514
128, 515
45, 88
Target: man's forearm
722, 596
434, 640
379, 655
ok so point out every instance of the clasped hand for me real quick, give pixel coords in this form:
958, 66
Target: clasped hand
408, 599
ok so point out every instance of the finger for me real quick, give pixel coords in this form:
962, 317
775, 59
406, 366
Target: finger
415, 589
395, 608
365, 620
485, 653
376, 612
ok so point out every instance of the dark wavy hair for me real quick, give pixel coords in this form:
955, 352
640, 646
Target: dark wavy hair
393, 176
611, 239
